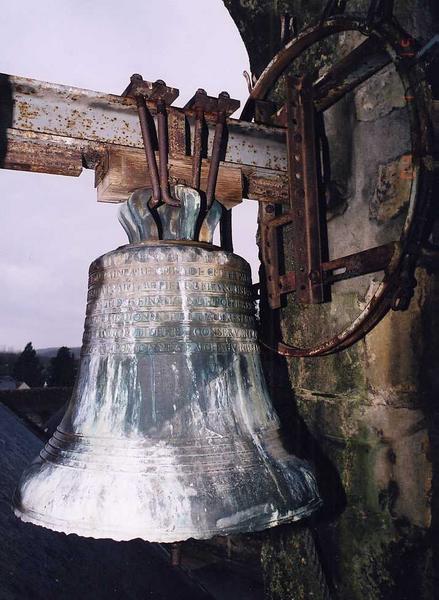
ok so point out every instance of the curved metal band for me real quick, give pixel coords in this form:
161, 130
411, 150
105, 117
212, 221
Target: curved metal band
413, 78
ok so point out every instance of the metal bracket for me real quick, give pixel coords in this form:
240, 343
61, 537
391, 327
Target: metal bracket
313, 274
157, 90
161, 95
222, 107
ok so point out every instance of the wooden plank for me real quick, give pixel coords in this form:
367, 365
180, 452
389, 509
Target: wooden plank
124, 170
43, 153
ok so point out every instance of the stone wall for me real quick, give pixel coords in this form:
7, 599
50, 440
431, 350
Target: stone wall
365, 415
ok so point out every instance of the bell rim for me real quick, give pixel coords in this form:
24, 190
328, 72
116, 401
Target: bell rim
298, 514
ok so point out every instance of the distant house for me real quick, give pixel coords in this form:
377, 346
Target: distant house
9, 383
22, 385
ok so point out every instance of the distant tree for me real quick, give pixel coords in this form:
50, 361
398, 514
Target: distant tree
62, 369
28, 368
7, 360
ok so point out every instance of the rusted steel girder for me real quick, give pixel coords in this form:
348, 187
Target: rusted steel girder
304, 190
51, 118
363, 62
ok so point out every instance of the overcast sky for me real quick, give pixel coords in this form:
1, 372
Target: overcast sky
51, 226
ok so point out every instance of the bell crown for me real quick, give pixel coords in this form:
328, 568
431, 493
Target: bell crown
188, 221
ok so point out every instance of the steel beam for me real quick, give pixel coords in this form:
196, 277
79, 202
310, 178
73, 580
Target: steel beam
74, 117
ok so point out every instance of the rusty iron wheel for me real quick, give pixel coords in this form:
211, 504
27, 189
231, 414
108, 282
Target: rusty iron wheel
394, 40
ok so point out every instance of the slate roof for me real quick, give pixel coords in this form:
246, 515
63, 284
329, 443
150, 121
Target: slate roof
39, 564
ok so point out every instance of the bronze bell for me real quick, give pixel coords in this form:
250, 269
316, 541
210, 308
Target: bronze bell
170, 433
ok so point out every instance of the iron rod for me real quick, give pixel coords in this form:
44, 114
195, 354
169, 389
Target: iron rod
163, 154
196, 163
215, 158
149, 151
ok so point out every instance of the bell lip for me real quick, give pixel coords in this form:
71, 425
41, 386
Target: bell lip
118, 536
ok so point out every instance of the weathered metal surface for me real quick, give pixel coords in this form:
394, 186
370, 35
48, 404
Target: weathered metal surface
161, 95
180, 222
304, 190
225, 105
398, 283
269, 187
136, 217
162, 136
364, 61
37, 157
270, 252
170, 433
210, 223
360, 263
150, 90
359, 65
350, 72
199, 103
88, 116
346, 267
145, 127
